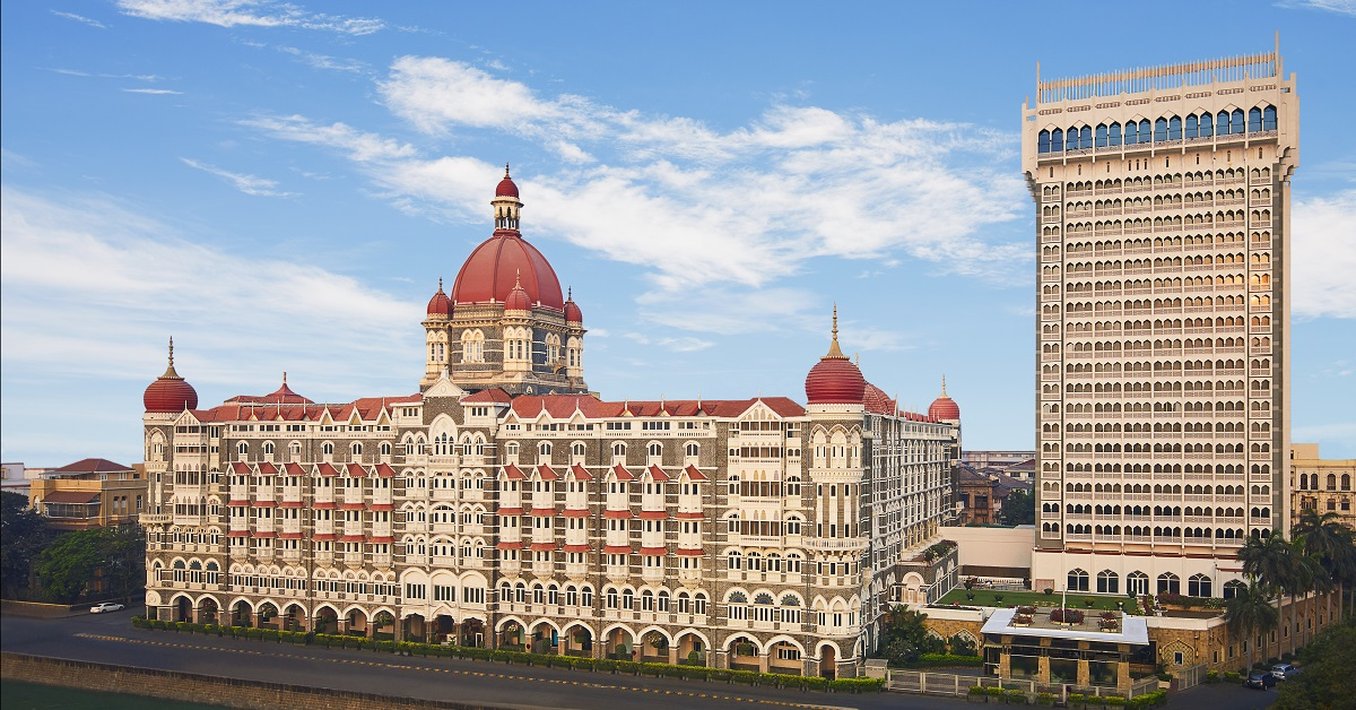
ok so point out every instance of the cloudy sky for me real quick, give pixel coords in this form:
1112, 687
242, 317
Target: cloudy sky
280, 186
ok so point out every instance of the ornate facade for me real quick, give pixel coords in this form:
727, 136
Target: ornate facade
504, 505
1163, 210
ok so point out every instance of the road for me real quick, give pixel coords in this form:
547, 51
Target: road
110, 638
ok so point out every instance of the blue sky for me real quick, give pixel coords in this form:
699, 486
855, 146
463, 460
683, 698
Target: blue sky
280, 186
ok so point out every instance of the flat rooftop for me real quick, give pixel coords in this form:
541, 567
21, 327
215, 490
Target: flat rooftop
1134, 629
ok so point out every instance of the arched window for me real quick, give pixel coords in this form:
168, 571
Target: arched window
1057, 141
1200, 585
1161, 129
1169, 583
1192, 126
692, 449
1269, 118
1078, 581
1108, 582
1137, 583
1101, 136
1232, 588
242, 449
1043, 141
1254, 120
1114, 135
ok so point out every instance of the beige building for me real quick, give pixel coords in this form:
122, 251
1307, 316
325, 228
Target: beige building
90, 493
1163, 212
502, 504
1324, 485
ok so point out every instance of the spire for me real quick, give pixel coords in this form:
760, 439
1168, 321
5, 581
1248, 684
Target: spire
169, 370
284, 377
440, 284
834, 350
943, 385
569, 293
506, 170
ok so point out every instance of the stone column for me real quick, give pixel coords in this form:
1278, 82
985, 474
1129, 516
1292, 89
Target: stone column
1123, 675
398, 629
762, 663
1043, 669
1005, 664
1084, 673
673, 654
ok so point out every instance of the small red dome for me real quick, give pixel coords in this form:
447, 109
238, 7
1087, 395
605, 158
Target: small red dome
572, 312
170, 393
944, 408
518, 300
440, 304
506, 187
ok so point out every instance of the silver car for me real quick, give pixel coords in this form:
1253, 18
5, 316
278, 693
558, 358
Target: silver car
1284, 671
106, 606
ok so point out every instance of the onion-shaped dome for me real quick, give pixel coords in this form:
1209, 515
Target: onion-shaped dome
518, 300
170, 393
835, 379
440, 305
876, 401
944, 407
507, 187
572, 312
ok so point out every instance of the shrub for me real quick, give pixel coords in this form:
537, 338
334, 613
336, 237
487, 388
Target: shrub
1049, 591
1015, 696
1077, 699
1212, 676
977, 690
1045, 699
1113, 701
1026, 609
857, 685
1089, 602
1066, 616
998, 597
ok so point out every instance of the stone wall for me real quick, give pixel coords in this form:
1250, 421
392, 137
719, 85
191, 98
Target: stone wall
192, 687
993, 547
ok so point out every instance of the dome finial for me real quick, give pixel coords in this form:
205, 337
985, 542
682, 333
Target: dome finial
171, 352
834, 350
440, 284
569, 293
944, 385
284, 377
506, 169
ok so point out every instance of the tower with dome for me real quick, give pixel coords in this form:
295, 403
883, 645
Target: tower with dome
502, 504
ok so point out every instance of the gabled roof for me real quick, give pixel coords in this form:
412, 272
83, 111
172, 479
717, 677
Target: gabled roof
492, 395
238, 409
563, 406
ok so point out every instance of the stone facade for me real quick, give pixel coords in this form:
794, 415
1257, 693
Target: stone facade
1322, 485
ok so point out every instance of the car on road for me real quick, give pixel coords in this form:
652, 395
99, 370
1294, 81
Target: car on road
106, 606
1259, 680
1284, 671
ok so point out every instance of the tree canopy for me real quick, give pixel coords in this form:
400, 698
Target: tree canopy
23, 535
1019, 508
905, 637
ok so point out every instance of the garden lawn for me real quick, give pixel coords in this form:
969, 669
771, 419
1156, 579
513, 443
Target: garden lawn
986, 597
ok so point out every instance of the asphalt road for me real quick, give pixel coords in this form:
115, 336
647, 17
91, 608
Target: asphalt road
110, 638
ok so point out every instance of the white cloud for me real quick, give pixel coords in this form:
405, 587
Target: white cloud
248, 184
324, 61
130, 281
96, 75
247, 13
155, 92
360, 147
701, 210
1324, 257
681, 344
80, 18
1341, 7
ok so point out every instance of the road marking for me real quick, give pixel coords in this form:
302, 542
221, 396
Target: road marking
481, 674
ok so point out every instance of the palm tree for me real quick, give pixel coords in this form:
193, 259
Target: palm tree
1327, 540
1277, 565
1250, 613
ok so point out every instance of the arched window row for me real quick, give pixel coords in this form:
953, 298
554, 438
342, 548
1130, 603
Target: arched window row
1165, 129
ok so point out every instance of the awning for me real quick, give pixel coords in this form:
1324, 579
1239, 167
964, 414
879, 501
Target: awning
72, 497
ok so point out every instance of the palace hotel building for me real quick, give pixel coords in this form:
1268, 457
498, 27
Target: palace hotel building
503, 504
1163, 227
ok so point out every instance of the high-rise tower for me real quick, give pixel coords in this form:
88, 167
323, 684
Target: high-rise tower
1163, 212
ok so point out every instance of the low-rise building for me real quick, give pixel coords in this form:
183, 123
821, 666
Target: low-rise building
89, 493
980, 493
1323, 485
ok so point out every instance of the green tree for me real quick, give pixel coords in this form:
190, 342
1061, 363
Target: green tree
23, 535
905, 637
66, 568
1326, 679
1325, 539
1019, 508
1250, 613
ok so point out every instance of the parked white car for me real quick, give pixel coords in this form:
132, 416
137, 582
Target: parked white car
106, 606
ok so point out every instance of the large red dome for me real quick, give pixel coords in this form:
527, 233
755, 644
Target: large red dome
170, 393
493, 268
835, 380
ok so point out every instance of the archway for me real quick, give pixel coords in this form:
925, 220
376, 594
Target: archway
654, 647
828, 661
444, 628
207, 610
742, 652
473, 633
544, 638
183, 609
691, 649
620, 644
355, 622
510, 636
414, 628
578, 641
268, 616
242, 614
294, 618
784, 656
326, 620
383, 626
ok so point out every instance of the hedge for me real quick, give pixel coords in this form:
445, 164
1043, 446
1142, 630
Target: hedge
932, 660
597, 665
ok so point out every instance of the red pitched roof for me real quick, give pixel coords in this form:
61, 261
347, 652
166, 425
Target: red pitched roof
514, 473
385, 471
356, 470
581, 473
694, 474
493, 394
92, 466
562, 406
658, 474
622, 473
546, 473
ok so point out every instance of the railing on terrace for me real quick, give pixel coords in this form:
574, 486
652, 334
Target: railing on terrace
955, 684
